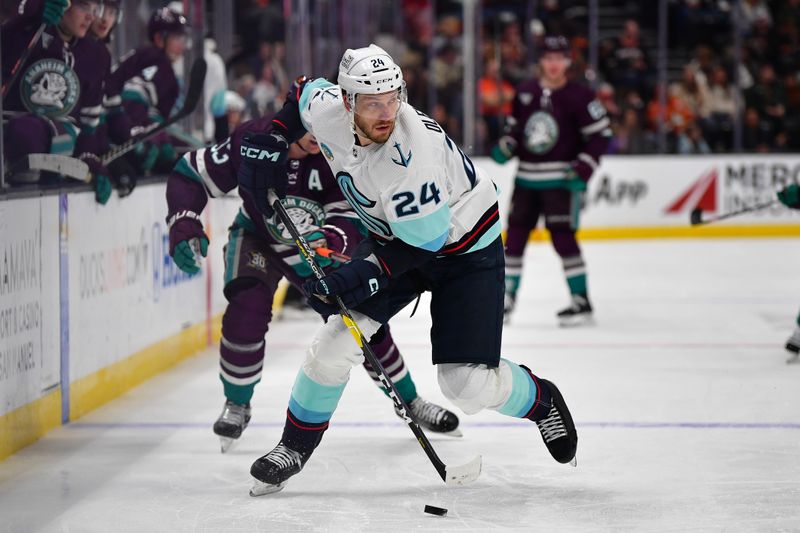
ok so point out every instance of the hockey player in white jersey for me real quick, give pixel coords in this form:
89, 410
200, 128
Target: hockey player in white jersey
434, 226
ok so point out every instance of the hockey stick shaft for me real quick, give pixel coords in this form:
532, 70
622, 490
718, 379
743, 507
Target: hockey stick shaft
699, 220
330, 254
22, 58
194, 91
308, 255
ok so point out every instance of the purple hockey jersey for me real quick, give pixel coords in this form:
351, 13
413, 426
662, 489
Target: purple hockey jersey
59, 80
313, 197
153, 87
557, 131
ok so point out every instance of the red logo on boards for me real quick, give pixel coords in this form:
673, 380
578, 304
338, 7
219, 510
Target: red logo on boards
702, 194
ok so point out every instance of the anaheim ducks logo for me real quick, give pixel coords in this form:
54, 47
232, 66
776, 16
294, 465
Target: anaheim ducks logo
541, 132
50, 87
304, 213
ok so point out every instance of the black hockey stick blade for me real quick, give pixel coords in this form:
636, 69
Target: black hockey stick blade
451, 475
194, 92
697, 213
696, 217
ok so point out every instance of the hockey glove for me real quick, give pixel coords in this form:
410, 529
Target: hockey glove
188, 242
329, 237
263, 167
101, 183
124, 176
354, 282
54, 10
578, 175
790, 196
574, 182
505, 149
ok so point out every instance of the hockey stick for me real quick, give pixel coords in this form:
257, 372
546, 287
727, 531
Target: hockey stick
330, 254
22, 58
696, 216
451, 475
75, 168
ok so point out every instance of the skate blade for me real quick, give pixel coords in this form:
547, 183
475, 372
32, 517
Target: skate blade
261, 489
455, 433
574, 461
463, 474
576, 322
225, 443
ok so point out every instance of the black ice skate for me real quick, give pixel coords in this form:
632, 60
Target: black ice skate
793, 346
558, 430
579, 312
231, 423
272, 471
433, 417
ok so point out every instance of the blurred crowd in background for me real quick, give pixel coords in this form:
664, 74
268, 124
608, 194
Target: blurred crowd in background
718, 83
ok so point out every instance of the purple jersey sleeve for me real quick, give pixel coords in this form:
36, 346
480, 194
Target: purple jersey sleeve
595, 127
153, 89
129, 66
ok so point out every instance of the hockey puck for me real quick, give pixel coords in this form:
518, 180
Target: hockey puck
438, 511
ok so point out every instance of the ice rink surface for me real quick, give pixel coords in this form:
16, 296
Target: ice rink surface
688, 419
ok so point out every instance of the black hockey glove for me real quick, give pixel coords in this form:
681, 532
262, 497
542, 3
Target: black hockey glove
263, 167
354, 282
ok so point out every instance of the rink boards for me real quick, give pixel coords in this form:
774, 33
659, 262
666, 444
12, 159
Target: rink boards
91, 304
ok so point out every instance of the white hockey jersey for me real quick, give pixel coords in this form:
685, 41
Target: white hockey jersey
418, 186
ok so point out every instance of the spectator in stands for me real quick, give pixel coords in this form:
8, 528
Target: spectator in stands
495, 96
630, 137
677, 114
755, 11
691, 141
692, 92
767, 96
627, 67
415, 76
266, 93
757, 133
722, 109
447, 71
791, 124
513, 53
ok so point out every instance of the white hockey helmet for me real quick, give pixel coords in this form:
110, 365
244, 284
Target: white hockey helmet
369, 70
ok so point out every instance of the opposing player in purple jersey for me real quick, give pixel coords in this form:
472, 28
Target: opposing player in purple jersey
559, 131
259, 253
144, 89
54, 101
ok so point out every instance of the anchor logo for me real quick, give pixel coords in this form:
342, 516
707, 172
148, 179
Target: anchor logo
403, 161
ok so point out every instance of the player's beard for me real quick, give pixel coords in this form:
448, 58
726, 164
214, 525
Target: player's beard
371, 132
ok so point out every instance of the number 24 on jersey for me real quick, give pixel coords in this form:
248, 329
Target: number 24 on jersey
407, 202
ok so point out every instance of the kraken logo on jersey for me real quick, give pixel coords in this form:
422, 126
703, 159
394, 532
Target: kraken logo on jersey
541, 132
50, 87
305, 214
